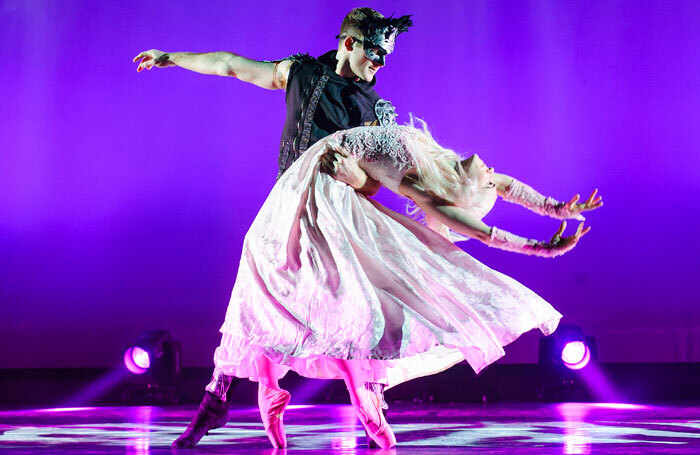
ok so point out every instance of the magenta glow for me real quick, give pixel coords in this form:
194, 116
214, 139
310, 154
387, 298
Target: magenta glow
575, 355
137, 360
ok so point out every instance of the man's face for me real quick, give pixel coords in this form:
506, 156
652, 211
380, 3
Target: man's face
361, 65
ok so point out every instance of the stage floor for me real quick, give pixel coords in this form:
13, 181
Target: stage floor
568, 428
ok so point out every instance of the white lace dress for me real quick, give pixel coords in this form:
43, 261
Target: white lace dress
327, 273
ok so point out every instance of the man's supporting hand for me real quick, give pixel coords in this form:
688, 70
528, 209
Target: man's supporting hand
344, 168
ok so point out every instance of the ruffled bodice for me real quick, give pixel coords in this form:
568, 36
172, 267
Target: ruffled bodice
386, 153
383, 152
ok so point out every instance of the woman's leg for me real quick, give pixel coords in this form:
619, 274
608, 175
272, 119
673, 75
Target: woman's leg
268, 372
352, 375
367, 404
272, 401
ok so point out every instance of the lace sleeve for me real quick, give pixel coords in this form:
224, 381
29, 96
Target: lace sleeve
522, 194
374, 142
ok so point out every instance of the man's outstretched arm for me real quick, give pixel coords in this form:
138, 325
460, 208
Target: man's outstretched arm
269, 75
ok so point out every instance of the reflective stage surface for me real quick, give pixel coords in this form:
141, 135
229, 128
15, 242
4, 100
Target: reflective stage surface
568, 428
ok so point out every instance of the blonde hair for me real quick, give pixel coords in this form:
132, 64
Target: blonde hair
439, 173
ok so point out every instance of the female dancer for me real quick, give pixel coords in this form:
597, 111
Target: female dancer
334, 285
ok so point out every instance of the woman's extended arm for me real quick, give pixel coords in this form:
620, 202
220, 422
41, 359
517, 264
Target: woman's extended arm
462, 222
269, 75
517, 192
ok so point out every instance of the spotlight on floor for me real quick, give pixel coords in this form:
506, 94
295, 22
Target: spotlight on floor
153, 360
563, 357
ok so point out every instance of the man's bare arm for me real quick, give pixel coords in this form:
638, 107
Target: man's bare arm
269, 75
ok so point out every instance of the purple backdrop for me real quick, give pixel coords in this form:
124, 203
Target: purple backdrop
124, 197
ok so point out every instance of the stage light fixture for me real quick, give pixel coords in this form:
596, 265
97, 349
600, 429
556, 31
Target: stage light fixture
568, 347
137, 360
563, 357
575, 355
153, 360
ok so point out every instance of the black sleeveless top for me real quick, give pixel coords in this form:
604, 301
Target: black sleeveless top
321, 102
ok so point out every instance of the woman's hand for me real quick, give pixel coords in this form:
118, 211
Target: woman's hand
152, 58
573, 208
559, 245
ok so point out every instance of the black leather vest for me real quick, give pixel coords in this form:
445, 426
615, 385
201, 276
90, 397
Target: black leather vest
320, 102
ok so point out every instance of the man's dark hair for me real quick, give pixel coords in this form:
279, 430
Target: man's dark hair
352, 24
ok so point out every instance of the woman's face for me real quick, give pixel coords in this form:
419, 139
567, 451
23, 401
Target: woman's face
477, 170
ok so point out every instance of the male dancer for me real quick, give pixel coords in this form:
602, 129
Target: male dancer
324, 95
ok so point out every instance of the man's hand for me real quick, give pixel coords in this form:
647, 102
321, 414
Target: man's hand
574, 208
344, 168
152, 58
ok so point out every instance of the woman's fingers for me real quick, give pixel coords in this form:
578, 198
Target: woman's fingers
581, 231
592, 196
556, 238
562, 227
594, 200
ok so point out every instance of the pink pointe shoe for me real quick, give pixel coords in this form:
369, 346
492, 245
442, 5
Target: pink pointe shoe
369, 411
272, 403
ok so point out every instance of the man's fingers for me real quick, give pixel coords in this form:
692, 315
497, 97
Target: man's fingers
579, 229
575, 199
328, 158
138, 57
